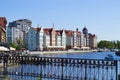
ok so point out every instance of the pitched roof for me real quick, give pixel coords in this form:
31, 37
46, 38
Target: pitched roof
48, 30
69, 32
37, 29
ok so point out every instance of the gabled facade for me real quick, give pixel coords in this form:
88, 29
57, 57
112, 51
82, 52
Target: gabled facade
39, 38
61, 38
69, 39
86, 36
46, 38
31, 39
78, 34
82, 40
75, 39
52, 37
58, 38
93, 41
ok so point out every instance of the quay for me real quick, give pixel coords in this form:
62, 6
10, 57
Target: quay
59, 52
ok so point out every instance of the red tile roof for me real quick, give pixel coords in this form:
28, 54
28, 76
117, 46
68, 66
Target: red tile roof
48, 30
37, 29
69, 32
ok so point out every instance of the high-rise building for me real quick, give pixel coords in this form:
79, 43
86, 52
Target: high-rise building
16, 30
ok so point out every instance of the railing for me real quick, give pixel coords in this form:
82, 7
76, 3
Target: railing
24, 67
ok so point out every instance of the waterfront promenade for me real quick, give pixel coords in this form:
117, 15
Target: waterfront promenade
59, 52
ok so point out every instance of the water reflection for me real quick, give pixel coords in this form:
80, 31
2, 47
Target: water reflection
91, 55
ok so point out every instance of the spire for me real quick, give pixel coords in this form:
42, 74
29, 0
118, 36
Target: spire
85, 30
77, 29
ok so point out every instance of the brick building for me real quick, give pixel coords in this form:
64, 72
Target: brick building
3, 23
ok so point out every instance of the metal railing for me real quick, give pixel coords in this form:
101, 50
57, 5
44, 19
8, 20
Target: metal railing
37, 68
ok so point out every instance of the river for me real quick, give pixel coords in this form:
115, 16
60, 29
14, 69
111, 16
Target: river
90, 55
87, 55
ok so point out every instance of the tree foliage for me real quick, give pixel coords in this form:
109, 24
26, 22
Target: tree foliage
109, 44
105, 44
20, 43
118, 44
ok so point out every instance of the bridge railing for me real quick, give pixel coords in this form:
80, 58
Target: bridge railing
62, 68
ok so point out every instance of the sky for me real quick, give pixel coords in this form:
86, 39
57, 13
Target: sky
100, 17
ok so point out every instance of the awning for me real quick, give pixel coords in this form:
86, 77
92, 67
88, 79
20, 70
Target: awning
56, 47
85, 47
13, 49
2, 48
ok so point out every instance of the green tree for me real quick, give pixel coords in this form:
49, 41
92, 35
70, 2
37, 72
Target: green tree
118, 44
105, 44
20, 43
14, 46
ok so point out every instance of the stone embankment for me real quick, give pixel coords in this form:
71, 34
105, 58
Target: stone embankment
58, 52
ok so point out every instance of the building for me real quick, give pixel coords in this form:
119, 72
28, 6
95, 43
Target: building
61, 39
31, 40
39, 38
82, 40
58, 38
16, 30
86, 36
3, 23
54, 39
46, 38
93, 41
69, 39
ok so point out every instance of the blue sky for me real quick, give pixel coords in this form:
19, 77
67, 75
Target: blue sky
101, 17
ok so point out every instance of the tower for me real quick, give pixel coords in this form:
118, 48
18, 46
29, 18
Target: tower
86, 36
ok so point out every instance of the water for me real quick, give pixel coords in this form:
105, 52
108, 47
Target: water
91, 55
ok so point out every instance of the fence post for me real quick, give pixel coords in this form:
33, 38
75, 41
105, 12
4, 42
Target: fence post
117, 75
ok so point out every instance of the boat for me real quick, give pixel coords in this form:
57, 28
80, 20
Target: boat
117, 53
109, 57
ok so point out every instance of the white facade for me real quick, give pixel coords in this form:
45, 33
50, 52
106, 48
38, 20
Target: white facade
46, 40
17, 29
74, 39
58, 40
82, 40
31, 39
63, 39
40, 34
